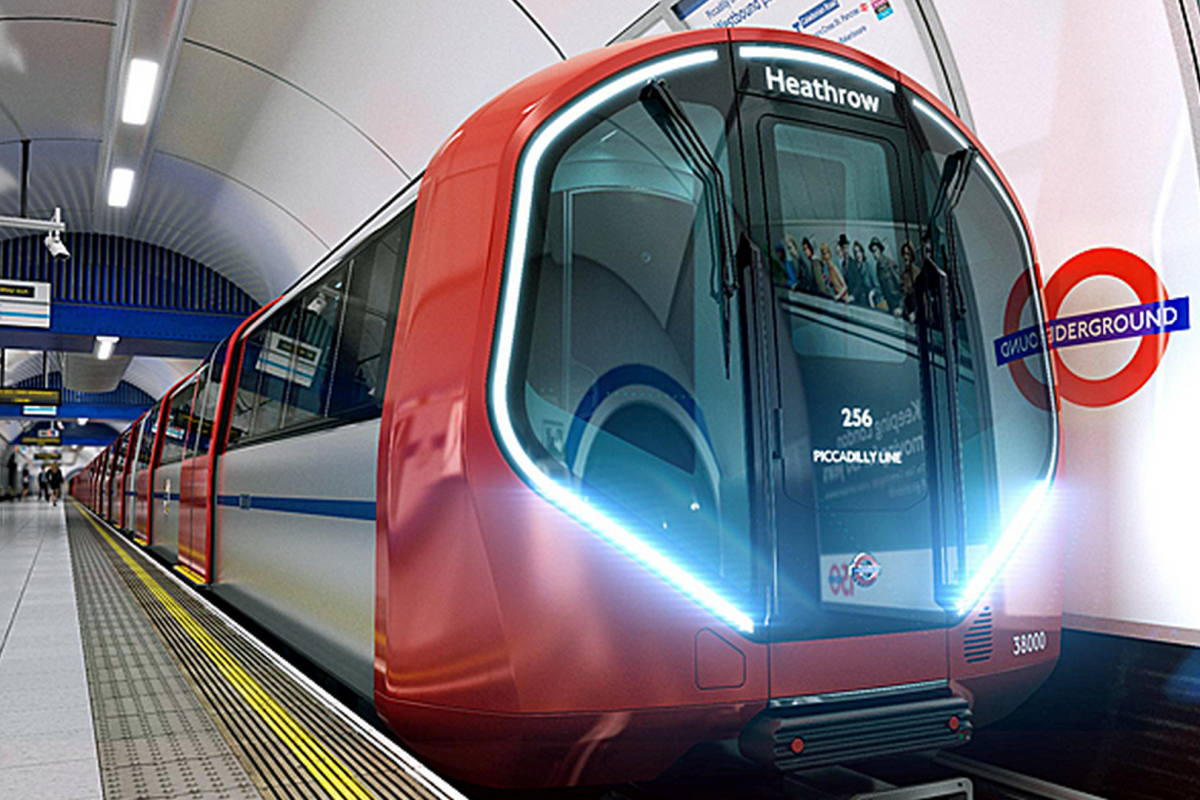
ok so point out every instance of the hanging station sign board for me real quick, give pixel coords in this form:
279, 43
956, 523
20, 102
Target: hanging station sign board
31, 397
41, 441
25, 304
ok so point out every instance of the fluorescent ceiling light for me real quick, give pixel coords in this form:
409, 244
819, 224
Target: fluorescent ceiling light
105, 346
40, 411
82, 420
120, 187
139, 91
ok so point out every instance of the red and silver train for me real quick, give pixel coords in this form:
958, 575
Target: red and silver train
669, 408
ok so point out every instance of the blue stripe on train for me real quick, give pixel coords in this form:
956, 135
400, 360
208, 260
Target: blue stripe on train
314, 506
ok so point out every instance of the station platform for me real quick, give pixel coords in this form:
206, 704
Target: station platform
116, 681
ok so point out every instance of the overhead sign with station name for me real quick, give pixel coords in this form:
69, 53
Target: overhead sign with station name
25, 304
31, 397
41, 441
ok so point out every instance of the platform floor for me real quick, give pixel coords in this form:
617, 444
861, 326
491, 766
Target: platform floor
47, 737
116, 681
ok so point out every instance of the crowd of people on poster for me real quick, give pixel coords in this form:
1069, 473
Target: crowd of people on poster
849, 272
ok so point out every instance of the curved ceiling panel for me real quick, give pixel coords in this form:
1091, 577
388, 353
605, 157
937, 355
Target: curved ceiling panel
265, 134
403, 74
62, 174
155, 376
21, 365
10, 172
579, 27
99, 10
237, 231
52, 76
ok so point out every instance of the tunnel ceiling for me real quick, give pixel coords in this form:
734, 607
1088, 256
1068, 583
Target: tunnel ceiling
280, 124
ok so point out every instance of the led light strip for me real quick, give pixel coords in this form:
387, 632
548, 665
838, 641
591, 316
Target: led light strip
560, 495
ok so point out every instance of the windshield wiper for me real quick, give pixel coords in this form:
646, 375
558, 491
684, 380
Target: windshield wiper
669, 115
939, 283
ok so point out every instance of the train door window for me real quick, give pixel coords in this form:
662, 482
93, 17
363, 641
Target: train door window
318, 312
120, 448
194, 414
365, 345
628, 371
844, 265
149, 429
851, 376
207, 396
1004, 419
279, 359
179, 413
247, 399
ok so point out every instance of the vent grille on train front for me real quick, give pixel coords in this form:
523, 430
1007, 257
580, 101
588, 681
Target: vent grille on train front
977, 644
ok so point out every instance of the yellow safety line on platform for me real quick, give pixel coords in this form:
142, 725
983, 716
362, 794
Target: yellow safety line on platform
320, 763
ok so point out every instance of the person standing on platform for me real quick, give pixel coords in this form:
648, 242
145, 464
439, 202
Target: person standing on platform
24, 481
55, 482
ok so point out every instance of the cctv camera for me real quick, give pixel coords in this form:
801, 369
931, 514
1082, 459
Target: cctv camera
56, 247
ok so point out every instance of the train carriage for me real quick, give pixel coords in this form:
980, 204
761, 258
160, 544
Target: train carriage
665, 410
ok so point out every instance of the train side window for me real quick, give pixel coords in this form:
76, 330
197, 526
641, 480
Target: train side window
1007, 432
323, 357
640, 409
364, 348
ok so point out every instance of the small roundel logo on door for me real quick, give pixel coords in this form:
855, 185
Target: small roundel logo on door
864, 569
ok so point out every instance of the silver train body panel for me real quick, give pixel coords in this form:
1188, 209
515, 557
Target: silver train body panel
308, 577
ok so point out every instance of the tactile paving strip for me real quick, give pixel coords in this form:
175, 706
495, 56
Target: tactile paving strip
153, 737
292, 745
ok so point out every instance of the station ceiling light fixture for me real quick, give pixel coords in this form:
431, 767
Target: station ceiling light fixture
139, 91
120, 187
105, 345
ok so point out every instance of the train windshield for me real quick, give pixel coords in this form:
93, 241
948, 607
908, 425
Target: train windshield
813, 430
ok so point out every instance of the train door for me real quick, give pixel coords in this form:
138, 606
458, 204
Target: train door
191, 469
167, 472
143, 509
105, 473
194, 504
118, 481
848, 397
136, 432
127, 472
